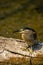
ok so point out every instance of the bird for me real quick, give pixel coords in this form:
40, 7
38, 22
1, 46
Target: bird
29, 35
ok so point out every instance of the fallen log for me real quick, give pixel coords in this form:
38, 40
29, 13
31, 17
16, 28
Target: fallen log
14, 51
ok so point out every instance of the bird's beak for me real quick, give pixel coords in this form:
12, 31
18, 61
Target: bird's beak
20, 31
16, 31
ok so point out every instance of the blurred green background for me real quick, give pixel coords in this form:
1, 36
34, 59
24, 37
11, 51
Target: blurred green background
16, 14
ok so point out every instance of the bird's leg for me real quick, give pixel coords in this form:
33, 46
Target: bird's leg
29, 47
30, 50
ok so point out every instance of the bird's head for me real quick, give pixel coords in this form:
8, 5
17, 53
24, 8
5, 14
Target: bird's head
27, 30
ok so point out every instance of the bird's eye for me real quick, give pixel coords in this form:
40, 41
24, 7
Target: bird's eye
21, 30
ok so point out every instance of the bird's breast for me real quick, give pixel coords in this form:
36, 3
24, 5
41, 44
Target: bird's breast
24, 36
